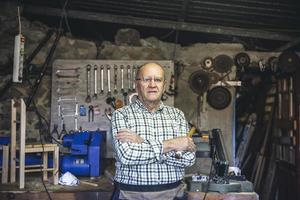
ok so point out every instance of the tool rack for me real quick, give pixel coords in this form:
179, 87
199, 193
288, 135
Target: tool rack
86, 92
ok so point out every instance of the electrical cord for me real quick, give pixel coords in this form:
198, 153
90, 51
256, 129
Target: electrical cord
40, 117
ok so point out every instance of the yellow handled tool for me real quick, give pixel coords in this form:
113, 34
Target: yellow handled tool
192, 131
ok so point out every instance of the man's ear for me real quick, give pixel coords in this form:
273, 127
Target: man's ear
165, 86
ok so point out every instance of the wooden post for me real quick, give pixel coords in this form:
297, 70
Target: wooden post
5, 155
55, 165
45, 165
13, 142
22, 144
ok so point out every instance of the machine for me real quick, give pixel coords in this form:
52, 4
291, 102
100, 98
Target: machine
219, 180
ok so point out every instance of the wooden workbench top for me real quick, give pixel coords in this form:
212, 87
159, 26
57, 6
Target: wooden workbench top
223, 196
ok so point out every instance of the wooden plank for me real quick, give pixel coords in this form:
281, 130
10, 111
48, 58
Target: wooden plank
22, 145
56, 165
69, 195
40, 170
5, 155
40, 145
45, 166
13, 142
224, 196
39, 149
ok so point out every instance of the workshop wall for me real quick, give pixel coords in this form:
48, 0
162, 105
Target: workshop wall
187, 60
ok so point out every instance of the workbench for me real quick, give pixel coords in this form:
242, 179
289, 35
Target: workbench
223, 196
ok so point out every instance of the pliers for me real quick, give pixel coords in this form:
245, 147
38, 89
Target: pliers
91, 112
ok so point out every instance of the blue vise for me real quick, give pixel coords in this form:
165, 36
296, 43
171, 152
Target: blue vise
84, 156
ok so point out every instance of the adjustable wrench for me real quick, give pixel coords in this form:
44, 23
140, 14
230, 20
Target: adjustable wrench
102, 79
108, 81
88, 72
95, 81
122, 78
133, 77
129, 77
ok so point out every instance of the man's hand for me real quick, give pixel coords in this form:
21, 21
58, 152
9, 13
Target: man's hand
182, 143
127, 135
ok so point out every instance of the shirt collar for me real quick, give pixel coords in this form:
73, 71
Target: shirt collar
141, 106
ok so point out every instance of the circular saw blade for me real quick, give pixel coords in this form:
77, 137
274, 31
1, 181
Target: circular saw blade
199, 81
222, 63
219, 97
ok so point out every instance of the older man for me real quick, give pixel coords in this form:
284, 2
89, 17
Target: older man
146, 136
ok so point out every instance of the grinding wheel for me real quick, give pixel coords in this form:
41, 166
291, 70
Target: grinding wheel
219, 97
208, 63
222, 63
242, 60
288, 61
214, 77
199, 81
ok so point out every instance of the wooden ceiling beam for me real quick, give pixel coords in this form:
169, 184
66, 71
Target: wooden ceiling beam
155, 23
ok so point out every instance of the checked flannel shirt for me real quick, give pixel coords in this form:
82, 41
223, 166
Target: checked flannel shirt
145, 163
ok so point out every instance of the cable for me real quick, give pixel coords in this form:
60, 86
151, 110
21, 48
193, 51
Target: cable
64, 15
42, 143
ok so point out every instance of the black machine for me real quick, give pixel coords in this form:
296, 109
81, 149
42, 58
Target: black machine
219, 180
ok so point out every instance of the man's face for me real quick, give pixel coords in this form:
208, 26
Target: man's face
150, 83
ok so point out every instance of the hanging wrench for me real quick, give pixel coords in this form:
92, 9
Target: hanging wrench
75, 118
129, 77
88, 72
101, 79
108, 81
59, 110
95, 81
115, 78
67, 73
66, 99
122, 78
133, 77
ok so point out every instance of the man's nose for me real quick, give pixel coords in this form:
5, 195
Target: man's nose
152, 83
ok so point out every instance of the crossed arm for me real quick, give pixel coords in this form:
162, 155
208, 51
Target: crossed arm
132, 149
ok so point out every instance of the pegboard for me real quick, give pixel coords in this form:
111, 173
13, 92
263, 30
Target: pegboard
115, 80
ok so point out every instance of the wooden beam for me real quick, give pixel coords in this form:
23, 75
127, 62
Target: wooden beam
56, 165
184, 26
45, 166
288, 45
5, 155
22, 144
13, 142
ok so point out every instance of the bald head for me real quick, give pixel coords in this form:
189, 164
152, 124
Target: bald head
147, 66
150, 85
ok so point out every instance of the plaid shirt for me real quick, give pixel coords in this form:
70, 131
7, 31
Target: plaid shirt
145, 163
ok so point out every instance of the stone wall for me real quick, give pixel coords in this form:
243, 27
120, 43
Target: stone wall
124, 48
